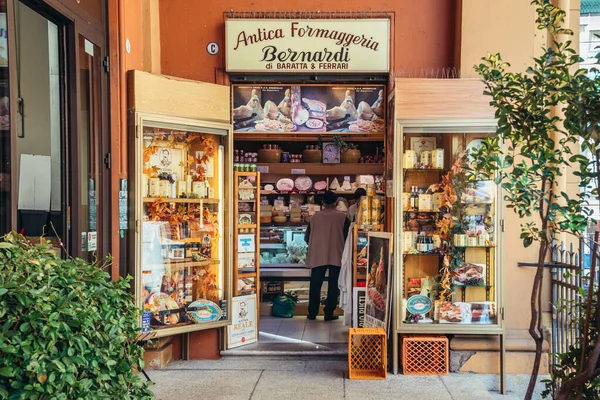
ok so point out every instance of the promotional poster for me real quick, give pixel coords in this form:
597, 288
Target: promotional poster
378, 280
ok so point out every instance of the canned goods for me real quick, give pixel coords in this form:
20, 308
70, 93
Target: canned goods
153, 187
460, 240
425, 202
426, 158
437, 199
405, 201
437, 159
472, 241
164, 188
483, 239
409, 159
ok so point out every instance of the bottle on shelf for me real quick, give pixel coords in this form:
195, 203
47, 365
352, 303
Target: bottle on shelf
414, 199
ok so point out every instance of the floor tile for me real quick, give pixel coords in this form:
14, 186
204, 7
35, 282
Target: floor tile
397, 387
213, 384
304, 385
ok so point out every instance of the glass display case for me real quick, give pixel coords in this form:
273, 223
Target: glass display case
182, 241
448, 228
283, 246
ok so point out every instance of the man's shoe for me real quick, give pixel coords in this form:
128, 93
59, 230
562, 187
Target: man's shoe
331, 317
311, 317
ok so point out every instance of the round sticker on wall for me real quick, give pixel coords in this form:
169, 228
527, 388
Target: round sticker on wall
212, 48
201, 311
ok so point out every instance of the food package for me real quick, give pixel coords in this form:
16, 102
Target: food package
320, 185
365, 180
365, 211
285, 184
303, 183
467, 313
469, 274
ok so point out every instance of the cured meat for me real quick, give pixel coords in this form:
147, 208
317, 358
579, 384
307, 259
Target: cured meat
303, 183
285, 184
320, 185
314, 105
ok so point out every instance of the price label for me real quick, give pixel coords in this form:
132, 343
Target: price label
298, 172
263, 169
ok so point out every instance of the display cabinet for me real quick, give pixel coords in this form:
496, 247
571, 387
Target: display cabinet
448, 224
246, 233
182, 185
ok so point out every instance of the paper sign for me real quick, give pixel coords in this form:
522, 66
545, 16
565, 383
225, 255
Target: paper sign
243, 329
298, 172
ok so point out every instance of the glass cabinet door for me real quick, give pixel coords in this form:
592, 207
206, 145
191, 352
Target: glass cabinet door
448, 226
183, 253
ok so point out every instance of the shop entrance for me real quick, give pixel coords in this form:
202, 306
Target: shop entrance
55, 132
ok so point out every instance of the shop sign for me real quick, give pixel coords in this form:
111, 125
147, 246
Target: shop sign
307, 45
243, 329
358, 311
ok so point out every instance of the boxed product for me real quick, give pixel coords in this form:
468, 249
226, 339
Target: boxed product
469, 274
468, 313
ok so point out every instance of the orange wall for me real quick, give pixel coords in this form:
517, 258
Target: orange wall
422, 35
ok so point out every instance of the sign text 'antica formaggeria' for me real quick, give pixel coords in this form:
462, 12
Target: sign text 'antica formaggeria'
333, 46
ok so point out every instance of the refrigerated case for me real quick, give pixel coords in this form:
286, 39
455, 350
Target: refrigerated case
181, 188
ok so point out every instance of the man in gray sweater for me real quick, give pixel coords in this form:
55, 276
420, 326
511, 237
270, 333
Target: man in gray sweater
326, 236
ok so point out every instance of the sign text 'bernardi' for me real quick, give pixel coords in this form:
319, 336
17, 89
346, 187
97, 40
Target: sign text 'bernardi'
280, 46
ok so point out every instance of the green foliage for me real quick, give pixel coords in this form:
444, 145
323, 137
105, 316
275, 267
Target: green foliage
545, 117
66, 329
569, 363
538, 146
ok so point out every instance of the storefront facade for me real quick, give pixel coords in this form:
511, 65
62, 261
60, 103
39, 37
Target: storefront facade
55, 131
167, 39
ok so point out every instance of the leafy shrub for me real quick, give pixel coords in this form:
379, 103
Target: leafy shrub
66, 329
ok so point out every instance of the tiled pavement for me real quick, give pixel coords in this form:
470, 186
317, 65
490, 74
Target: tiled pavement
308, 378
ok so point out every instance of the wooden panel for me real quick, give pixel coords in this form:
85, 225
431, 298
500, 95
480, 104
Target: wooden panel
322, 169
161, 94
441, 99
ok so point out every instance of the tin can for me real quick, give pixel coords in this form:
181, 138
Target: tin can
164, 188
405, 201
426, 158
483, 239
285, 157
409, 159
472, 241
425, 202
460, 240
437, 199
153, 187
145, 185
437, 159
407, 241
370, 190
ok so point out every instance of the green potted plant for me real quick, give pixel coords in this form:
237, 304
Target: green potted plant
68, 330
284, 303
349, 152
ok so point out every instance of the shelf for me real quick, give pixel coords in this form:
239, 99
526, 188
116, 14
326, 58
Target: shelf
246, 226
247, 187
289, 265
309, 192
474, 247
322, 169
247, 275
284, 225
423, 170
272, 246
183, 263
308, 136
421, 254
420, 212
180, 200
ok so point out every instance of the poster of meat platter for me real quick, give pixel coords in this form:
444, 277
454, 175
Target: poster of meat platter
468, 313
308, 108
378, 280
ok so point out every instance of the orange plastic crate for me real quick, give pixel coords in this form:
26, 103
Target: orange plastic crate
425, 355
367, 353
